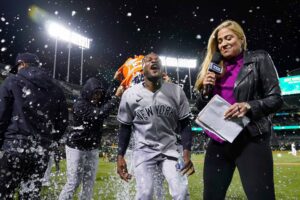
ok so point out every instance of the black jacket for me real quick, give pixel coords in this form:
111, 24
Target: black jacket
86, 130
33, 109
257, 83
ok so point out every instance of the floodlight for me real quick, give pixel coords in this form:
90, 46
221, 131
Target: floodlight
58, 31
80, 40
178, 62
163, 60
187, 63
171, 62
61, 33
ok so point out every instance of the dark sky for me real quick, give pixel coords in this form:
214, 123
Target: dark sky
121, 29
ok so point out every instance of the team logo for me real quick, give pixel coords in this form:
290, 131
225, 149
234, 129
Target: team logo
138, 100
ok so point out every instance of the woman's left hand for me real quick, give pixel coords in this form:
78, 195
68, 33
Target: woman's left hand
237, 110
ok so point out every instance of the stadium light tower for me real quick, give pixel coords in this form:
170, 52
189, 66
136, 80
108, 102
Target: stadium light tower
59, 32
180, 63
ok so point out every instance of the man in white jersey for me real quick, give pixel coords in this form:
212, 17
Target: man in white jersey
151, 111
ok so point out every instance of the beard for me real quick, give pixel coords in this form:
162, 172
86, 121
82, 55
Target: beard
152, 78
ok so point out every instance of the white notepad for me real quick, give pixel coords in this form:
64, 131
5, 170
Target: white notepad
211, 118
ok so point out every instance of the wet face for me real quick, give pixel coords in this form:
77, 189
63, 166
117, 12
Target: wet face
97, 95
152, 67
229, 44
22, 65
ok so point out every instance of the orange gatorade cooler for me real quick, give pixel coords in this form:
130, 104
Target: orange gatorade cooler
132, 71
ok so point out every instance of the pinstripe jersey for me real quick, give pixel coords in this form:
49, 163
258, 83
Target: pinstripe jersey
154, 118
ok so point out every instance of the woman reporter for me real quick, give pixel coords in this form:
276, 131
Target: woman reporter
250, 83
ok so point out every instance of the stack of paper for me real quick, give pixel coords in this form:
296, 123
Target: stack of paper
211, 118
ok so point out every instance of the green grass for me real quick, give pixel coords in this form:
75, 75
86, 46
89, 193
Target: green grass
109, 186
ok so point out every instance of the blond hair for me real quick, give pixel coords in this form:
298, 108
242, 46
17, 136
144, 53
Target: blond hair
212, 47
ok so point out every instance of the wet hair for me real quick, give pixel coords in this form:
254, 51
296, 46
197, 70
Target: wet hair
212, 47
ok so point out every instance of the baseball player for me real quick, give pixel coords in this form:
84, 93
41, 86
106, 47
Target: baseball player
152, 110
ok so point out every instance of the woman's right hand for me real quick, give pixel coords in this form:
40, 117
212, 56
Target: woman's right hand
209, 79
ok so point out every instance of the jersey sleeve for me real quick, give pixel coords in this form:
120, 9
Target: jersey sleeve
184, 107
125, 115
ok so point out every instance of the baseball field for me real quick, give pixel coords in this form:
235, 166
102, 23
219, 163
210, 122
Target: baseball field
109, 186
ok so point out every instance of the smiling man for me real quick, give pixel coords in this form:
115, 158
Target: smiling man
152, 110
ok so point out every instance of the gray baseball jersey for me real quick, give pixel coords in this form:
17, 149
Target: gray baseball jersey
154, 118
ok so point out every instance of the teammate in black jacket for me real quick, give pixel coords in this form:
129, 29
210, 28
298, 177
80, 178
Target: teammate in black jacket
33, 114
89, 112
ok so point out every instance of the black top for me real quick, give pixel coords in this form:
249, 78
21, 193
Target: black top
32, 108
86, 130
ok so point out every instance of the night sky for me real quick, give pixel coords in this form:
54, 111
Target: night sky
122, 29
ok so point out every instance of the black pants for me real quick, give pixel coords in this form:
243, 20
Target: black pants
23, 169
253, 158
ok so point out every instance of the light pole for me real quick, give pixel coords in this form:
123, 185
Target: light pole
54, 64
190, 81
60, 32
81, 66
69, 55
